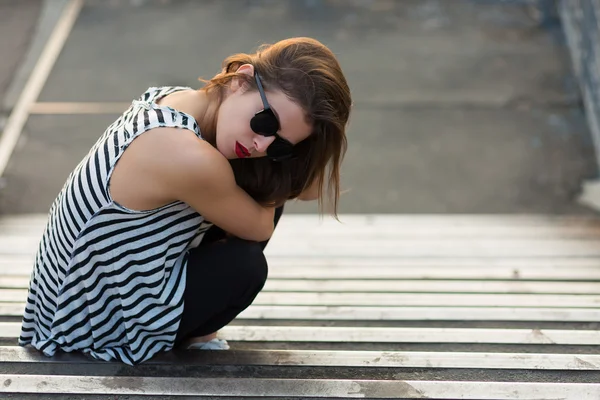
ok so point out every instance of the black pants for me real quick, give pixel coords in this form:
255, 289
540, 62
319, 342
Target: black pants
224, 275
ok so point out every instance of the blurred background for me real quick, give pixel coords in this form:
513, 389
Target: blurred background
460, 106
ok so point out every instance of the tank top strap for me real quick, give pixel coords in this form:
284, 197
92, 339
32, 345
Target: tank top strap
146, 114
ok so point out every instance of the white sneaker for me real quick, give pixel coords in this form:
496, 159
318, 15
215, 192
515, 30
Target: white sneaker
214, 344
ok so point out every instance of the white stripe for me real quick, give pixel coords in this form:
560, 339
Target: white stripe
365, 313
426, 299
397, 286
377, 299
399, 248
409, 335
411, 286
436, 233
18, 267
289, 268
436, 221
382, 248
361, 269
455, 220
36, 81
296, 388
252, 333
410, 225
398, 313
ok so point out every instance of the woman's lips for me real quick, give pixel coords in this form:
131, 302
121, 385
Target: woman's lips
241, 151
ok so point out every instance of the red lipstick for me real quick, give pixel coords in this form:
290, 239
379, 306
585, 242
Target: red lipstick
241, 151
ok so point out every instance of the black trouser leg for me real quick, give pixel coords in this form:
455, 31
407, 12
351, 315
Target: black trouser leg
223, 279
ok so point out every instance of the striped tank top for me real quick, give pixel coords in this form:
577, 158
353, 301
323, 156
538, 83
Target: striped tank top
107, 280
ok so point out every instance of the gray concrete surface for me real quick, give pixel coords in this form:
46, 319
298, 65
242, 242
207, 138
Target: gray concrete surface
40, 25
18, 23
460, 107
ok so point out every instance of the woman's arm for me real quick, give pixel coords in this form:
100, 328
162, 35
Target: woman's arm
168, 164
206, 182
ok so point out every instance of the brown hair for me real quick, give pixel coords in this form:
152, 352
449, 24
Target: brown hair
307, 72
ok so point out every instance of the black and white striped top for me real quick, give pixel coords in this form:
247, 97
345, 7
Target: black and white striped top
108, 280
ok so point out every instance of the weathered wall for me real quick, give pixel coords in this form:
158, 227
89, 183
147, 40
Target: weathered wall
580, 23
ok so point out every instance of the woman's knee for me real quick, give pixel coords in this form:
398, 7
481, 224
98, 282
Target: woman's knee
251, 262
231, 259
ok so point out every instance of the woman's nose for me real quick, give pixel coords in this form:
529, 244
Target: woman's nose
262, 142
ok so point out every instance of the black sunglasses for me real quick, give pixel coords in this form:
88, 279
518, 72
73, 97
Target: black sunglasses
265, 123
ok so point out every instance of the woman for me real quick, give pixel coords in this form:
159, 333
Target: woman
126, 268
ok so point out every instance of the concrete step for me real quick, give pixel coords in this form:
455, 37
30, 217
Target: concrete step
374, 306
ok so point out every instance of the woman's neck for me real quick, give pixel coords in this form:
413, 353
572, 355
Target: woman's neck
205, 113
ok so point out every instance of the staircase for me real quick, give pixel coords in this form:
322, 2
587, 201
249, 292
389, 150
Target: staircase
375, 307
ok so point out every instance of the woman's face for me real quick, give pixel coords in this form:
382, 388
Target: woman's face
236, 139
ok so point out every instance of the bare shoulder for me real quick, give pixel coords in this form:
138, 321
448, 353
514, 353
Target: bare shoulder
156, 164
192, 170
182, 154
172, 158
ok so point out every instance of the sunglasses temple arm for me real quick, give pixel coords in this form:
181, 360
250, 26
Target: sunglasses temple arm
261, 91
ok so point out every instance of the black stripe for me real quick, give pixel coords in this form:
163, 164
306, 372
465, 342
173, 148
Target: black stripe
105, 303
156, 349
73, 203
91, 186
98, 280
84, 197
106, 157
55, 248
129, 228
41, 319
126, 358
158, 316
58, 242
178, 282
64, 230
145, 247
149, 322
88, 302
118, 339
116, 144
153, 319
160, 116
52, 279
43, 288
141, 236
99, 178
134, 125
146, 120
68, 219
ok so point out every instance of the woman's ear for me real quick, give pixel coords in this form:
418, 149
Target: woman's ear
237, 83
247, 69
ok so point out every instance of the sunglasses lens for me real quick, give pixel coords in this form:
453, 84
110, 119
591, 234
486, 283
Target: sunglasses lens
264, 123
